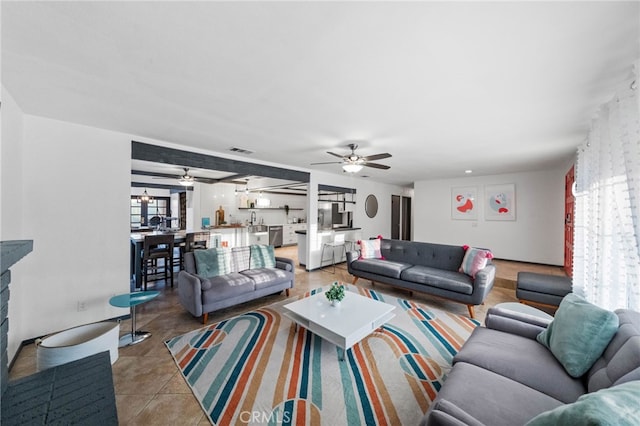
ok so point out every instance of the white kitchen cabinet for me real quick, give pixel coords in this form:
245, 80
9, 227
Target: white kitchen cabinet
289, 236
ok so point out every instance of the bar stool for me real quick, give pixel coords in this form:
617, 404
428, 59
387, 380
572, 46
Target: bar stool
157, 247
338, 241
194, 241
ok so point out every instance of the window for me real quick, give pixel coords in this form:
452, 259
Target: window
143, 211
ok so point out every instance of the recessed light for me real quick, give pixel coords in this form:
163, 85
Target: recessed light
468, 171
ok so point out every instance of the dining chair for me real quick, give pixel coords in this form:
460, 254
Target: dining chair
194, 241
154, 248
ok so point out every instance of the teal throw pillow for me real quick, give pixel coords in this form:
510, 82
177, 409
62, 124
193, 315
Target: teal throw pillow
213, 262
262, 257
579, 334
618, 405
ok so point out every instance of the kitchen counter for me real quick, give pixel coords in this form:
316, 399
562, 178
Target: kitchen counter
304, 232
312, 259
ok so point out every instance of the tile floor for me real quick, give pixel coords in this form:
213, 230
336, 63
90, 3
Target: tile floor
150, 390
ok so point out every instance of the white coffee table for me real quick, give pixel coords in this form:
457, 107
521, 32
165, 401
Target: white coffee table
344, 325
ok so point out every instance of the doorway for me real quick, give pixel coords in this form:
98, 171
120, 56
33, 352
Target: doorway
400, 218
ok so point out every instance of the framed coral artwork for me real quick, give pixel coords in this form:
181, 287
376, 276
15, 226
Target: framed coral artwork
500, 202
464, 203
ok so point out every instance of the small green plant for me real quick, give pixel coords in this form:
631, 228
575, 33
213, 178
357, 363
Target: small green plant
336, 292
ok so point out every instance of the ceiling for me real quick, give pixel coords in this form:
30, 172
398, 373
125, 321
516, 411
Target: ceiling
443, 86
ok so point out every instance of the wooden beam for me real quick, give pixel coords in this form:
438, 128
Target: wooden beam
159, 154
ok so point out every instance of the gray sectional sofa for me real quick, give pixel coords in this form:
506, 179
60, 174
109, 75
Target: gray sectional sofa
424, 267
503, 376
201, 295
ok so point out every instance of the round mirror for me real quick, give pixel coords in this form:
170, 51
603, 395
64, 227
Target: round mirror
371, 205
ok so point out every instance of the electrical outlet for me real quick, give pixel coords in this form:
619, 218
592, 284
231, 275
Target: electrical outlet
81, 306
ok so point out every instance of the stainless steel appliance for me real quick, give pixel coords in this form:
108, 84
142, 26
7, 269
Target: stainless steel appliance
275, 236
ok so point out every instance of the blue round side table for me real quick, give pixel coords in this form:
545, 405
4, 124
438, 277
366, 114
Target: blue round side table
131, 300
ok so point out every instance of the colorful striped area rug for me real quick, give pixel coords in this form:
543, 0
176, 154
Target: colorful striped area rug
257, 368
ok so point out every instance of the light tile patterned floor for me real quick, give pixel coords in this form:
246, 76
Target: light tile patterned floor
150, 390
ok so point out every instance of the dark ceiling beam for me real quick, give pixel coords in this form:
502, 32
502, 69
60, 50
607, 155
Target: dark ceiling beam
159, 154
172, 176
178, 188
337, 189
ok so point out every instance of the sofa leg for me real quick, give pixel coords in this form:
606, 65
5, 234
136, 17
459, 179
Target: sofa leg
355, 280
471, 312
205, 317
286, 292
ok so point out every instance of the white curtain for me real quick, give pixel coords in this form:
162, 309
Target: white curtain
606, 260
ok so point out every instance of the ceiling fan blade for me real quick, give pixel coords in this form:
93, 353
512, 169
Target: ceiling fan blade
328, 162
376, 157
334, 154
376, 166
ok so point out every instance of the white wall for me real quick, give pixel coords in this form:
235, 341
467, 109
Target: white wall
11, 211
73, 180
537, 234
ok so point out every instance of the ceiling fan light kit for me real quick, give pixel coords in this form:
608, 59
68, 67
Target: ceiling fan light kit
186, 180
353, 163
351, 168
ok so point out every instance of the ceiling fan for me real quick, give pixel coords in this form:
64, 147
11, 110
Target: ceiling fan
185, 179
353, 163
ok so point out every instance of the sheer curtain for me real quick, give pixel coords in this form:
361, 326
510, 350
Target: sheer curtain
606, 260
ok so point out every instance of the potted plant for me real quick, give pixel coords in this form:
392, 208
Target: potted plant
335, 294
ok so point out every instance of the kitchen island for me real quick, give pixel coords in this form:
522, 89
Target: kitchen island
317, 239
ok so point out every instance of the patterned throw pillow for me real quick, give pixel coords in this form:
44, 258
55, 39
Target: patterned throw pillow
213, 262
370, 249
474, 260
240, 259
262, 257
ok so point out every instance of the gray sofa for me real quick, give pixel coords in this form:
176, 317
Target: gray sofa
503, 376
201, 295
424, 267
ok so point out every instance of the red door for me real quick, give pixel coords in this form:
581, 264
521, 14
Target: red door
568, 221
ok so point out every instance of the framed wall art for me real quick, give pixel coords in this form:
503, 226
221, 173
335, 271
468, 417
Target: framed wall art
500, 202
464, 203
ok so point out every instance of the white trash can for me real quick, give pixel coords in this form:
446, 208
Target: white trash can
76, 343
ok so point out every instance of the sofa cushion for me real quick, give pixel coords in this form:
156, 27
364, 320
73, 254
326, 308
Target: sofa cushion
262, 256
579, 334
267, 277
385, 268
490, 398
474, 260
439, 256
240, 258
520, 359
448, 280
213, 262
618, 405
370, 249
620, 362
225, 286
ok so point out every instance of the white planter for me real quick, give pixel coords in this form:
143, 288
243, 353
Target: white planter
78, 342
